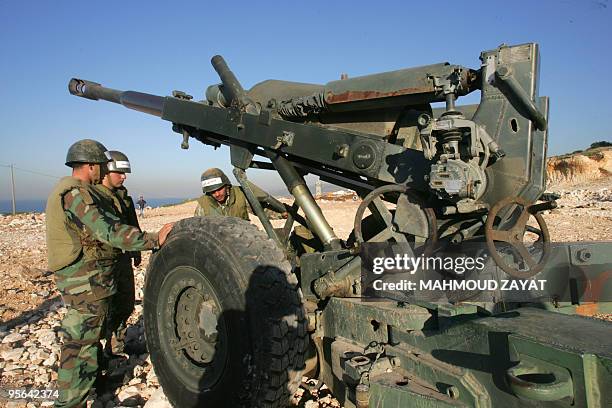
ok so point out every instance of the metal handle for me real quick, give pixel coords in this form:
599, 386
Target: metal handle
505, 75
540, 383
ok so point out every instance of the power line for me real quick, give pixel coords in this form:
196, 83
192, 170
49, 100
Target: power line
30, 171
37, 173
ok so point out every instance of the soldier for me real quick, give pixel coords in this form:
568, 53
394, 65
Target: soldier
141, 205
83, 242
220, 198
118, 202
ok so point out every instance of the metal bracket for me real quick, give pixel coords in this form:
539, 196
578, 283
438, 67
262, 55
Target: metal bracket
285, 140
257, 208
182, 95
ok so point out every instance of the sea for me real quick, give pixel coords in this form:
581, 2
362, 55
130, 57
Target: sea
23, 206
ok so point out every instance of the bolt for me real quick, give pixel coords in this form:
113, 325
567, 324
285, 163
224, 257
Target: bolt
583, 255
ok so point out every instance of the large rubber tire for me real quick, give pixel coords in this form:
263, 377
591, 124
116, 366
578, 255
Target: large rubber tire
248, 315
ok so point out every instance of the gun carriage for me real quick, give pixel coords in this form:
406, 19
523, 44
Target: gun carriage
230, 321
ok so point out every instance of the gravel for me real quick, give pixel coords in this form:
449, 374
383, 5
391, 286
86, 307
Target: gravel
32, 309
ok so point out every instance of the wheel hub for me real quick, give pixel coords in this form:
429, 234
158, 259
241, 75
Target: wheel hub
196, 323
192, 328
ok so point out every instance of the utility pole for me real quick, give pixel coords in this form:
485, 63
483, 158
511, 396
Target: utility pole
13, 187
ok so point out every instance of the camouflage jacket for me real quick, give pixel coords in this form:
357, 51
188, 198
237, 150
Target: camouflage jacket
91, 274
235, 205
129, 209
119, 203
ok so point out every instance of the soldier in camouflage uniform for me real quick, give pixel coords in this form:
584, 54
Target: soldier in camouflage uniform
117, 201
83, 242
220, 198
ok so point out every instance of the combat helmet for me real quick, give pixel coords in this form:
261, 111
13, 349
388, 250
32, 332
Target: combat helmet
87, 151
119, 162
213, 179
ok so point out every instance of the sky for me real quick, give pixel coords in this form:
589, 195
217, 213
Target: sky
158, 47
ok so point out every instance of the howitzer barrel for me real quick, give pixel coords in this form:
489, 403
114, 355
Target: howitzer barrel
143, 102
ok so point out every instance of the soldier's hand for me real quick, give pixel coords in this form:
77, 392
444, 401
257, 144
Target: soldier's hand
164, 231
137, 259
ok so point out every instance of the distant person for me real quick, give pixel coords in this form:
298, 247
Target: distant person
83, 241
118, 202
141, 205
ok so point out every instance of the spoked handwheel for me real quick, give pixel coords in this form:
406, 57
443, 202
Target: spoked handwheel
409, 222
529, 245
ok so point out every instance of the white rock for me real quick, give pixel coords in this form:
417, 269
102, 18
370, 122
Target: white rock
13, 372
138, 370
158, 400
135, 381
151, 376
12, 338
46, 337
12, 354
129, 396
50, 361
42, 379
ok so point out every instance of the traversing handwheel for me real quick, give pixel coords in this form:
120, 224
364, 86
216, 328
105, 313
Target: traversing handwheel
513, 230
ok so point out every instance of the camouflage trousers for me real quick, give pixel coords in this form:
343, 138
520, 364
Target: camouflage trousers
86, 287
122, 302
82, 327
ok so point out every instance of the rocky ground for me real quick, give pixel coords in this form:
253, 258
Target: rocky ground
32, 309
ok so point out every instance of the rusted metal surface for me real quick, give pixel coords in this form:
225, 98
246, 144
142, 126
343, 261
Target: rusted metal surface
352, 96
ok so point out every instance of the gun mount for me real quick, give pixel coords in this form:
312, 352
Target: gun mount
443, 171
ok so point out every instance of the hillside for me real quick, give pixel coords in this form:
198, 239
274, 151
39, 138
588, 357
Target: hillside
590, 168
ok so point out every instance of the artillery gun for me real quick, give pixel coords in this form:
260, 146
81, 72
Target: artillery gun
235, 317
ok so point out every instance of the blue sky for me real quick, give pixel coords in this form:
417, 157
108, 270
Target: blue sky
158, 47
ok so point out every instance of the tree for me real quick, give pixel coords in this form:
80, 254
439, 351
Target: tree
600, 144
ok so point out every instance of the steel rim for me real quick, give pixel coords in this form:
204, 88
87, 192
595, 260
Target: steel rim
192, 330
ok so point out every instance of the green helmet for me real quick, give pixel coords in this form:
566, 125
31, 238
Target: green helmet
213, 179
87, 151
119, 162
